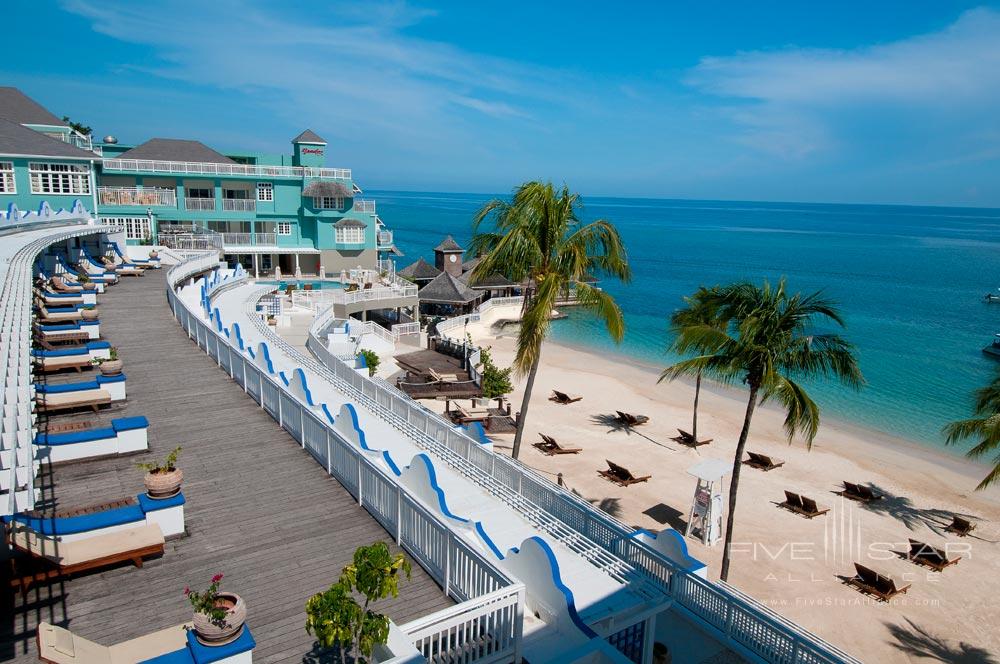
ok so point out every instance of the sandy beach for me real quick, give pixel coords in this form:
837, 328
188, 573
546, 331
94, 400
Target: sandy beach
793, 564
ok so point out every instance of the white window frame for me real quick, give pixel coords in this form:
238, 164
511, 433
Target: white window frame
56, 179
328, 202
283, 228
350, 235
265, 191
8, 183
136, 228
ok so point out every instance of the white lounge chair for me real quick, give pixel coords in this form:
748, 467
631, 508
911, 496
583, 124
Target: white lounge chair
61, 646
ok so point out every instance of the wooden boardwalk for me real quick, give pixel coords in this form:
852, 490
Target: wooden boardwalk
259, 508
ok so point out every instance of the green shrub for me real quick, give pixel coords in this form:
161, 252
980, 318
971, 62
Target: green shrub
371, 360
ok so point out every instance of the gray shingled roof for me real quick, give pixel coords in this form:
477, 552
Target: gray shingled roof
420, 269
175, 149
309, 136
347, 222
448, 244
16, 139
470, 264
495, 280
318, 188
22, 109
446, 289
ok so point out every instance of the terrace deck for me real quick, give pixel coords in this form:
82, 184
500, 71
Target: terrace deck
259, 508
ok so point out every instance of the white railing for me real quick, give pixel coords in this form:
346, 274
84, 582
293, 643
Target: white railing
249, 239
400, 329
239, 204
197, 168
358, 329
384, 238
142, 196
735, 619
485, 630
199, 203
364, 205
490, 602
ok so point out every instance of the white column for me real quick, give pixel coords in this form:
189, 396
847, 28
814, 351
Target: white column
256, 267
298, 270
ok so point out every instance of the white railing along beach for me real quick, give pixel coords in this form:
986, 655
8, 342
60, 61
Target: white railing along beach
198, 168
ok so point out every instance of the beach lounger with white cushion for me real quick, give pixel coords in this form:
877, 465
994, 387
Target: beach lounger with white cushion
62, 559
60, 646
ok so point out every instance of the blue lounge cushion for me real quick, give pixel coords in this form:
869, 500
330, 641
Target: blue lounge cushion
153, 504
118, 378
67, 387
62, 327
59, 352
129, 423
98, 345
196, 653
85, 436
80, 524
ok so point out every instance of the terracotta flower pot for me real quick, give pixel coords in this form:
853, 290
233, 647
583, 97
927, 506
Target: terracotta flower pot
154, 254
89, 314
90, 285
217, 633
163, 484
111, 367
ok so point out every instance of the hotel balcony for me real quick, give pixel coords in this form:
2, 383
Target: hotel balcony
364, 205
198, 168
199, 203
239, 204
137, 196
249, 240
384, 238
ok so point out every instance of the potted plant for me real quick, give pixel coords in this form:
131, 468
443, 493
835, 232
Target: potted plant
85, 281
271, 320
89, 312
218, 616
163, 479
111, 366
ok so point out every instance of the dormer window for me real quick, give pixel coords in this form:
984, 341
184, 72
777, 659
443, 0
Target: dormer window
328, 202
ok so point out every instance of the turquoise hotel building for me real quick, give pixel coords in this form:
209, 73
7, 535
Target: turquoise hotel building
290, 212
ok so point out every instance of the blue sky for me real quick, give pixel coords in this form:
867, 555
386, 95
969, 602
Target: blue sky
889, 102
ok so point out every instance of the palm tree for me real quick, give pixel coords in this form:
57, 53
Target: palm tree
766, 341
538, 237
985, 427
700, 310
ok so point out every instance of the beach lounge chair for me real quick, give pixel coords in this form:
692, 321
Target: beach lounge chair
53, 559
61, 646
550, 446
630, 420
687, 439
960, 526
54, 315
881, 586
59, 285
465, 415
54, 299
858, 492
564, 398
925, 554
49, 402
620, 475
763, 461
48, 364
441, 378
802, 505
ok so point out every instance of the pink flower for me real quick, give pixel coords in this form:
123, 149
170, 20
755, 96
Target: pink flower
187, 590
216, 578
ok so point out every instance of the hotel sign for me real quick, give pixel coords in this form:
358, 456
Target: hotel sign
311, 151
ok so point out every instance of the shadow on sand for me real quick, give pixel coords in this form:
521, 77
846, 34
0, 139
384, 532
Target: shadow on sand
614, 424
903, 510
919, 643
667, 515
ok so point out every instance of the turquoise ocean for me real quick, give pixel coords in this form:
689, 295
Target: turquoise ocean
910, 282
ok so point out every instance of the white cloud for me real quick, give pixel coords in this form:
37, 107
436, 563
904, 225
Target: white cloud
950, 77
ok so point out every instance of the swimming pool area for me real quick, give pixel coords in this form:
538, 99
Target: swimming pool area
318, 284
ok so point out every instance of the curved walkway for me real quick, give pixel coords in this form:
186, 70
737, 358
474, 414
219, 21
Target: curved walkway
259, 508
